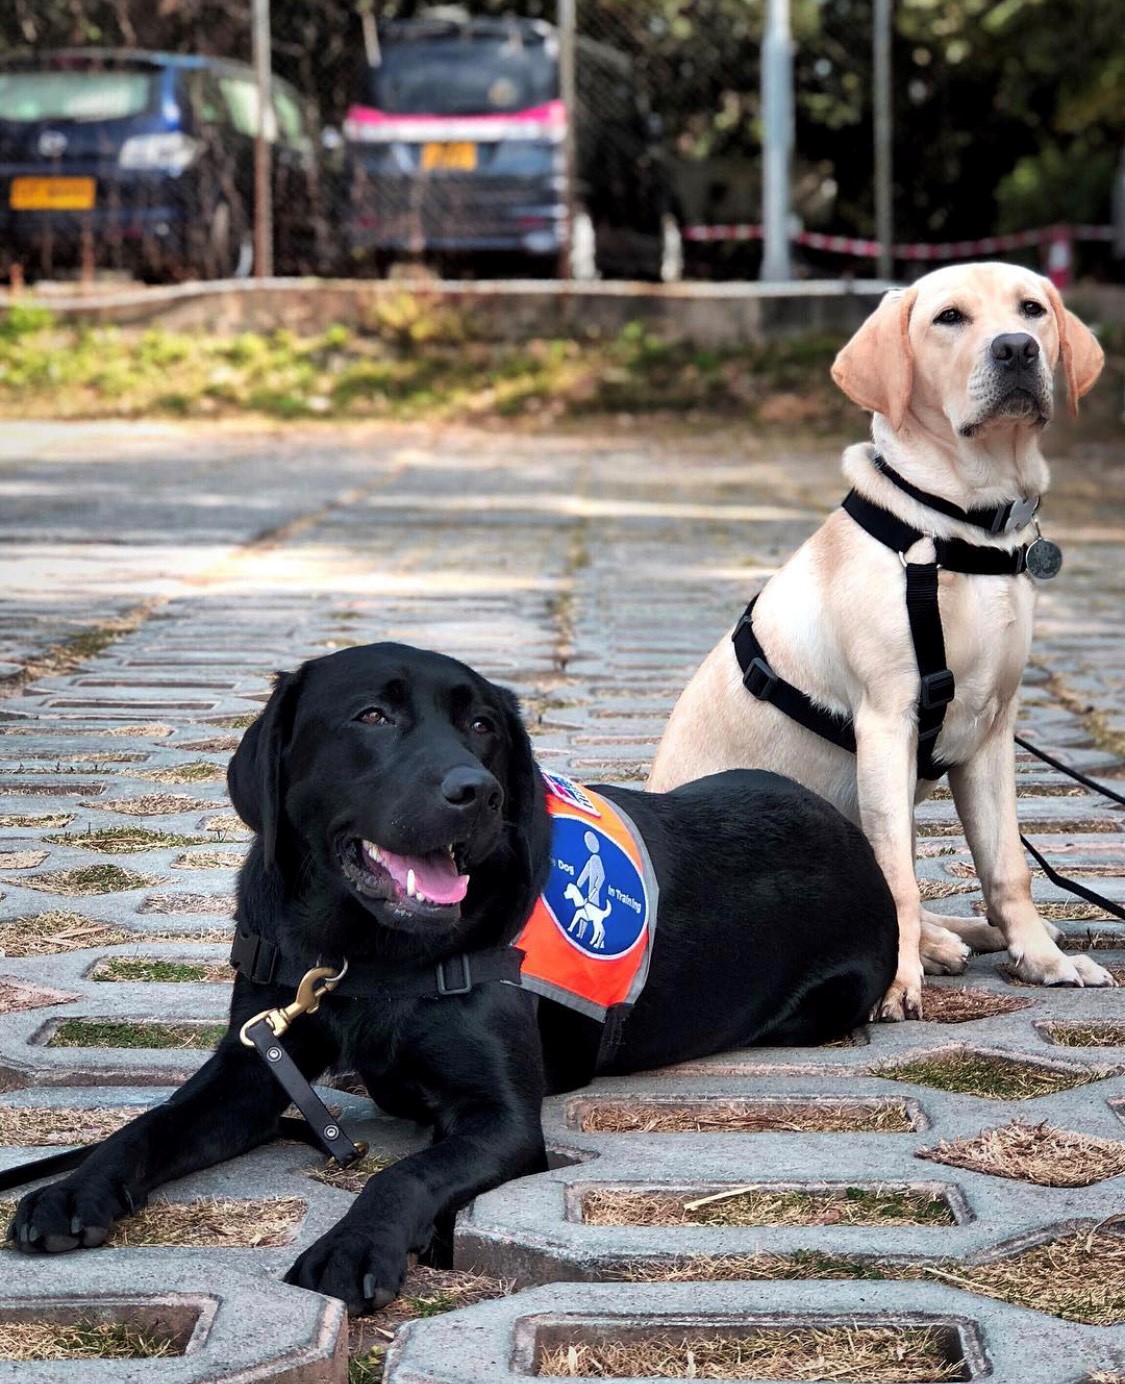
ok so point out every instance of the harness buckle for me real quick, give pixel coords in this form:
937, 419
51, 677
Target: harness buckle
1016, 515
760, 679
315, 984
464, 985
937, 689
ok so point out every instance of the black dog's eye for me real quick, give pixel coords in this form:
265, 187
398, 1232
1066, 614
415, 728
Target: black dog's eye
1030, 308
481, 725
374, 716
950, 317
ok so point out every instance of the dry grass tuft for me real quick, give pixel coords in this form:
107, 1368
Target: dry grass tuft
21, 860
931, 889
56, 931
760, 1206
198, 771
208, 860
152, 804
352, 1179
209, 1223
1041, 826
155, 970
41, 1126
942, 1004
88, 880
125, 840
1085, 1035
32, 1340
225, 826
148, 730
1036, 1153
216, 744
871, 1353
1074, 912
743, 1117
984, 1074
221, 905
43, 821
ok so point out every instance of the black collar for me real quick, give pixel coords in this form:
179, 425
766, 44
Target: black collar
954, 554
257, 959
998, 520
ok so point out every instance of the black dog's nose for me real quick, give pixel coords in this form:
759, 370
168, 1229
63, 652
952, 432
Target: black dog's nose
468, 787
1014, 350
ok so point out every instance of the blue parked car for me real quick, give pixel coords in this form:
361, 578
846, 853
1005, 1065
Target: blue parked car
145, 162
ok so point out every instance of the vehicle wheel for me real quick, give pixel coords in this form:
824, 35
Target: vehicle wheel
583, 248
671, 250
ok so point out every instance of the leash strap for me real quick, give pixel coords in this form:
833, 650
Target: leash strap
260, 961
1090, 783
996, 520
1071, 885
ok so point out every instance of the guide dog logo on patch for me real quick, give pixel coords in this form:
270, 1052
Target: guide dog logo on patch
589, 936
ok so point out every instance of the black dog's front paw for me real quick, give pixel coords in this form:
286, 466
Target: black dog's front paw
68, 1215
353, 1267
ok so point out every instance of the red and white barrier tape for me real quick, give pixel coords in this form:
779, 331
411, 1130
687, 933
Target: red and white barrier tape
869, 249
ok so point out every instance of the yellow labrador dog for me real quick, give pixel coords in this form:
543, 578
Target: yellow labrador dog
958, 373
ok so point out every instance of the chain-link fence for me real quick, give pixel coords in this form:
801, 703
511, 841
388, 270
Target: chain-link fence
611, 138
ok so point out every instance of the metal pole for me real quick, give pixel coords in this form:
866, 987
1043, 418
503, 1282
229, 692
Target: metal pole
568, 31
884, 176
777, 141
263, 189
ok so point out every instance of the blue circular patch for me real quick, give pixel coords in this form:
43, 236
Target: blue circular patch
594, 891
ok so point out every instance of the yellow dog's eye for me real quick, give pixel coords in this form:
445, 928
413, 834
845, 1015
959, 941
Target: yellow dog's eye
1030, 308
950, 317
374, 716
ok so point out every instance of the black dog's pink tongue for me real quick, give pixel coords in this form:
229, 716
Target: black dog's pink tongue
435, 876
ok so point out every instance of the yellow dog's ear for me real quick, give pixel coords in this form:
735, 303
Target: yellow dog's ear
1079, 350
876, 368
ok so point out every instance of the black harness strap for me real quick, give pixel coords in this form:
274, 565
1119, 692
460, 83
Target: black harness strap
994, 519
936, 683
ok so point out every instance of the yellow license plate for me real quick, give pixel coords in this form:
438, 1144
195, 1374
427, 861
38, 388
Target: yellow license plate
451, 155
52, 194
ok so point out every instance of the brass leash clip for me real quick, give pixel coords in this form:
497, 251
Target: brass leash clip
315, 984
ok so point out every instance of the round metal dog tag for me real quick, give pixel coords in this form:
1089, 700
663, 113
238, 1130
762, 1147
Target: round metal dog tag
1044, 559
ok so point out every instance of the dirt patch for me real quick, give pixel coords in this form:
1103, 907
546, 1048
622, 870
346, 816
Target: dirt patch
984, 1074
88, 880
32, 1340
21, 860
15, 997
219, 904
1036, 1153
209, 1223
152, 970
117, 1033
40, 1126
760, 1206
125, 840
152, 804
870, 1353
943, 1004
743, 1117
1085, 1035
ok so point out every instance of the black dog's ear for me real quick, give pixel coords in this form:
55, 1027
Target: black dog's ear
254, 773
525, 807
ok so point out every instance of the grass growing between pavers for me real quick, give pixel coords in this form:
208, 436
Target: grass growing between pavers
200, 771
1046, 826
221, 905
88, 880
15, 998
125, 840
208, 860
83, 1340
415, 359
425, 1292
152, 970
46, 934
42, 1126
1079, 1276
151, 804
761, 1206
1036, 1153
743, 1117
946, 1004
878, 1354
987, 1075
119, 1033
207, 1223
21, 860
1075, 1034
40, 821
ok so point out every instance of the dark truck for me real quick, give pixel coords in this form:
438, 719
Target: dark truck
455, 152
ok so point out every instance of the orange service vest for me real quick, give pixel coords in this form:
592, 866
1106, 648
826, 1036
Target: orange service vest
589, 939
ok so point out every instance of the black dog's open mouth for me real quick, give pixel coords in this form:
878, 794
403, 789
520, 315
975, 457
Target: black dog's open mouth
426, 884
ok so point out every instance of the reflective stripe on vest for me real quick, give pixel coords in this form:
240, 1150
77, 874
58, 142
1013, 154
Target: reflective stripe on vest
588, 941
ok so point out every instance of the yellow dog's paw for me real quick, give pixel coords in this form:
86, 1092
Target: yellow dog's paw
902, 1001
943, 953
1053, 967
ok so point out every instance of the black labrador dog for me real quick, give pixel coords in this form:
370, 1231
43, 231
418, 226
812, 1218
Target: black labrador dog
775, 925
